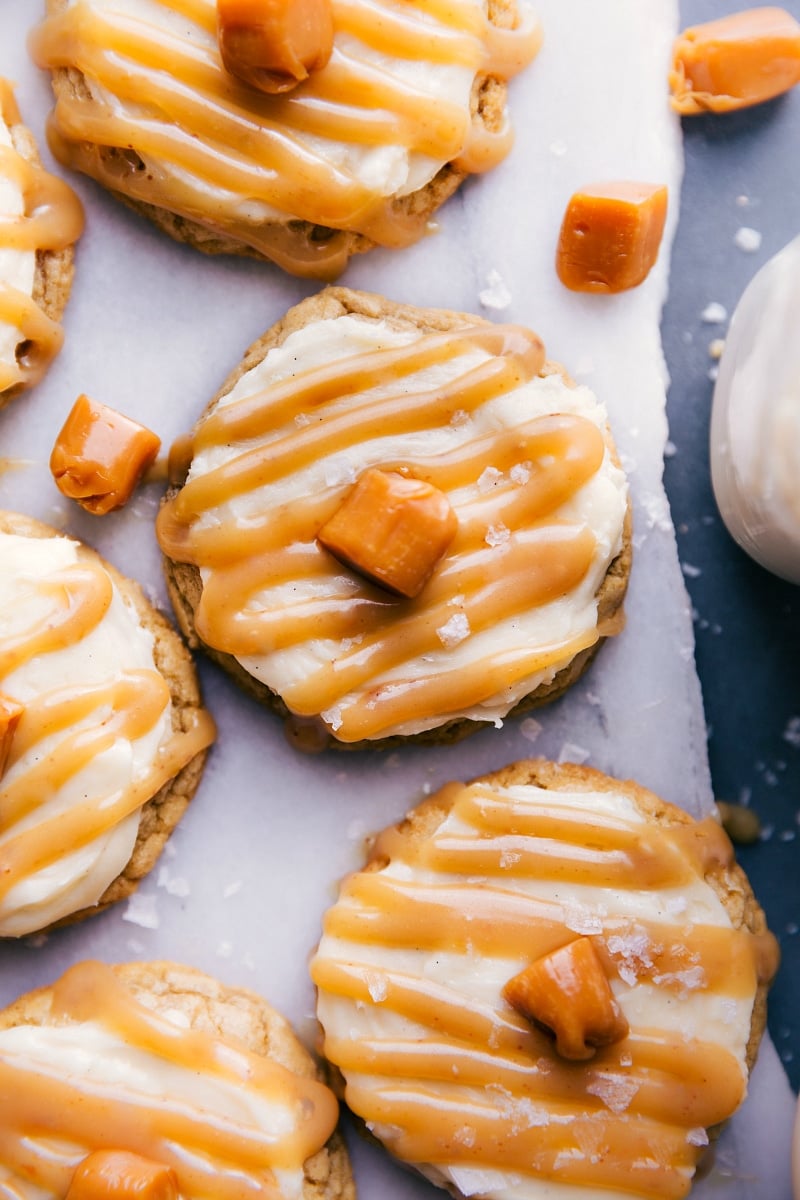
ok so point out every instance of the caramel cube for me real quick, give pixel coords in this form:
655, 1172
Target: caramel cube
121, 1175
567, 993
391, 529
10, 715
273, 45
736, 61
100, 456
610, 236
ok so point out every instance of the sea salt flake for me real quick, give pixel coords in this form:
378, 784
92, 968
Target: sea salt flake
571, 752
175, 885
530, 729
333, 717
616, 1091
224, 950
582, 920
496, 294
465, 1136
489, 478
714, 313
231, 889
520, 473
460, 417
688, 981
509, 858
697, 1136
747, 239
791, 733
338, 471
690, 571
497, 535
376, 986
453, 631
142, 910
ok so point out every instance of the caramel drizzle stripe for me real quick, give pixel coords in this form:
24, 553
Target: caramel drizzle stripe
136, 702
42, 337
82, 594
450, 691
53, 216
658, 1070
431, 1130
497, 923
413, 412
532, 571
33, 850
261, 412
388, 29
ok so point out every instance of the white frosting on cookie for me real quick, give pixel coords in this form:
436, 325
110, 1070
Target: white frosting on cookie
118, 644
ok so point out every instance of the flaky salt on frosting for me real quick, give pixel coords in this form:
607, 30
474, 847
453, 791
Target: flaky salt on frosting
116, 1065
393, 106
38, 213
523, 459
95, 742
483, 880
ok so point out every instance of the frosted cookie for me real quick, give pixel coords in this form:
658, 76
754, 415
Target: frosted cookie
546, 983
201, 1086
40, 220
517, 529
361, 153
102, 730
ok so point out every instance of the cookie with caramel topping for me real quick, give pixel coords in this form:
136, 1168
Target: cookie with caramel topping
42, 217
546, 979
397, 522
362, 151
158, 1070
111, 736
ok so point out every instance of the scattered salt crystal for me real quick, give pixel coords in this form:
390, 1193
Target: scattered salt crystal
333, 717
691, 572
376, 986
356, 830
688, 981
558, 148
697, 1136
616, 1091
497, 535
175, 885
489, 478
231, 889
787, 835
530, 729
572, 753
714, 313
656, 510
427, 788
509, 858
715, 347
465, 1136
582, 920
713, 373
520, 473
496, 294
670, 449
453, 631
742, 201
459, 417
676, 905
746, 239
142, 910
249, 961
224, 950
791, 733
728, 1011
792, 928
302, 419
135, 946
635, 950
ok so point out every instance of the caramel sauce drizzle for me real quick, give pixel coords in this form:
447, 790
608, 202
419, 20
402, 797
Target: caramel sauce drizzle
129, 707
458, 1088
238, 146
278, 431
224, 1156
52, 220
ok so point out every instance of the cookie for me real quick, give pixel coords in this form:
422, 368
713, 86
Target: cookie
518, 603
105, 731
471, 902
165, 1063
42, 218
362, 153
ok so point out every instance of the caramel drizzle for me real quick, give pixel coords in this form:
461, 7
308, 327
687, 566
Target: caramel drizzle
237, 145
214, 1154
128, 708
282, 429
471, 1083
52, 220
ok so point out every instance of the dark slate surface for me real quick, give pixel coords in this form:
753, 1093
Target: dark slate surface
742, 170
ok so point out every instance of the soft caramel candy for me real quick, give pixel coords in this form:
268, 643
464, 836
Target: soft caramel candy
274, 44
100, 456
739, 60
10, 714
392, 530
121, 1175
610, 236
567, 993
